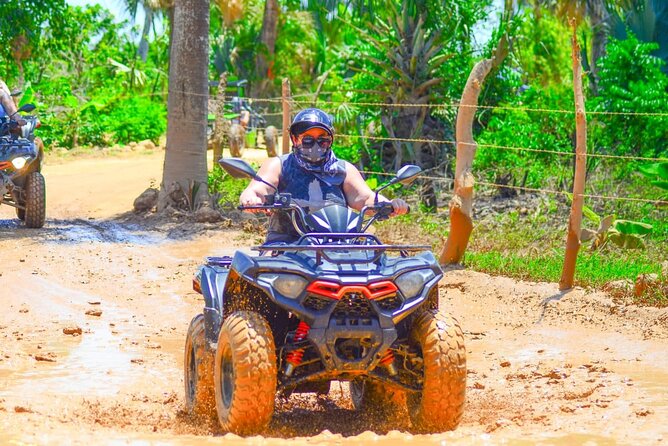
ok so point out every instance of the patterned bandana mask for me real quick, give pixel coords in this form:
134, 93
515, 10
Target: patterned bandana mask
326, 167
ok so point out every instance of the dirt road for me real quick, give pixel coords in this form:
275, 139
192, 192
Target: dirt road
95, 311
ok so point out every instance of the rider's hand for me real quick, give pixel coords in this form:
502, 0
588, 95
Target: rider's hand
250, 198
400, 207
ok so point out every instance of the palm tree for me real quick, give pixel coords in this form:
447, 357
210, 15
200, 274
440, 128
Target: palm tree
184, 177
268, 35
152, 10
598, 12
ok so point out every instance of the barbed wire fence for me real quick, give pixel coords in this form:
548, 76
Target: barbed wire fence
296, 104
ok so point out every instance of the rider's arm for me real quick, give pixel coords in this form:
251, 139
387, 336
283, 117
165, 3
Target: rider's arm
255, 192
359, 194
7, 103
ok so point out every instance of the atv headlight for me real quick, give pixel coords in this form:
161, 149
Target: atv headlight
411, 283
19, 162
289, 285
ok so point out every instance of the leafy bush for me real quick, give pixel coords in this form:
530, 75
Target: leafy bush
630, 80
137, 119
225, 188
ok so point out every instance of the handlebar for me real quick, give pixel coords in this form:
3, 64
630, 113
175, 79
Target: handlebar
283, 202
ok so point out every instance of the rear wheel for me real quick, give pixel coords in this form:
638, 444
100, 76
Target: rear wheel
198, 371
35, 193
245, 373
270, 138
440, 404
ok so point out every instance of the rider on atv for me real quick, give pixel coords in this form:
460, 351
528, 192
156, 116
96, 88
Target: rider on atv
312, 174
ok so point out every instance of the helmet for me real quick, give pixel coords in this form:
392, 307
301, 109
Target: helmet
309, 118
314, 156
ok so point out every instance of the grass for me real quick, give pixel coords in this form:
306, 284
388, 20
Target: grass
592, 269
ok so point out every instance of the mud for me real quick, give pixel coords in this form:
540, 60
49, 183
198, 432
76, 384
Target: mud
96, 306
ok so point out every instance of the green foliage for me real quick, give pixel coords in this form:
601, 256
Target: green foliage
225, 188
23, 30
137, 119
630, 80
512, 126
543, 49
658, 173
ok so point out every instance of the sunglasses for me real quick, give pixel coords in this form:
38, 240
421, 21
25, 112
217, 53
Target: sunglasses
308, 142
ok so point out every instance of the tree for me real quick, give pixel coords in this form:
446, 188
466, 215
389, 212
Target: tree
22, 25
152, 10
268, 35
184, 177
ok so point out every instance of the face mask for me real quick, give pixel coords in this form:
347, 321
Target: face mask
314, 151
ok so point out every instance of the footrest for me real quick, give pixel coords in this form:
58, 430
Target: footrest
224, 261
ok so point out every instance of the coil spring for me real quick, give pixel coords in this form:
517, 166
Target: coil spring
388, 358
295, 356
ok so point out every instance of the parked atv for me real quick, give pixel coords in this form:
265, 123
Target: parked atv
338, 304
21, 182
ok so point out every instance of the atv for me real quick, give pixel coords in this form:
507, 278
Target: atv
21, 182
336, 305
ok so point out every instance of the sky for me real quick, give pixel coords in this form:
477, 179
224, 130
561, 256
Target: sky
115, 6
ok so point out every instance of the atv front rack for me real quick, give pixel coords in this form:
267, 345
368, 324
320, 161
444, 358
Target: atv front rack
325, 242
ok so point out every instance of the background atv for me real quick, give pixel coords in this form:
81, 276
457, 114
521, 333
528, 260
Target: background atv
21, 182
335, 305
247, 125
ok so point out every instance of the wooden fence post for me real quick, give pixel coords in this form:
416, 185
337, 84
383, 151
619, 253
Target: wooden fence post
461, 205
221, 126
575, 220
286, 116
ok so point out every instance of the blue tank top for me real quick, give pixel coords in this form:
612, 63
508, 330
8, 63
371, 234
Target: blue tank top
308, 190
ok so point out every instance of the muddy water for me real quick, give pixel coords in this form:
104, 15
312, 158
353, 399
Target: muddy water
544, 368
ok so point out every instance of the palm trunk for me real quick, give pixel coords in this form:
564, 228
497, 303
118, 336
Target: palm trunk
142, 50
268, 37
185, 166
600, 30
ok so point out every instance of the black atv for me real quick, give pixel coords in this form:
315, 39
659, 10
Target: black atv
21, 182
338, 304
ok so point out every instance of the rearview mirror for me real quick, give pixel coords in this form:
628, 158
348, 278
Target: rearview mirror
237, 168
26, 108
407, 174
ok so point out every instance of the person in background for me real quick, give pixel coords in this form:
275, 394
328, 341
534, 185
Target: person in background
7, 106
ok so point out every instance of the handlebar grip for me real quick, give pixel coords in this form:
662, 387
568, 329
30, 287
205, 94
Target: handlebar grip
255, 207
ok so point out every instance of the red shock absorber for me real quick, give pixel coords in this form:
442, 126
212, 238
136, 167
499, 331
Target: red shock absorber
388, 358
294, 358
388, 361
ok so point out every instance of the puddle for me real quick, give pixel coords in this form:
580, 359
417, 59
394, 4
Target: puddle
77, 231
96, 366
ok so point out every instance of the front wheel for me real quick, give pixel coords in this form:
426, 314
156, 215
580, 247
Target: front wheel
35, 193
245, 373
440, 405
198, 371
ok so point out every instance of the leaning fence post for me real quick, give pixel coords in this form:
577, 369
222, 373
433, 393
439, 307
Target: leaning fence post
286, 116
575, 220
461, 204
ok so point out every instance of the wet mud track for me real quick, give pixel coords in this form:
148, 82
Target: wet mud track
96, 308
